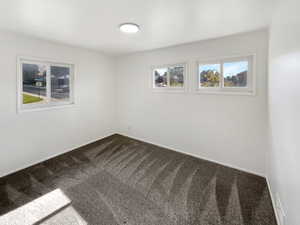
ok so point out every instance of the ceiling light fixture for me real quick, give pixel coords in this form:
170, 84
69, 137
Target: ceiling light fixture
129, 28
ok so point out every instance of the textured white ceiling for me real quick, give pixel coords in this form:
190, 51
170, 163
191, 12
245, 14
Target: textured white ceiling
94, 23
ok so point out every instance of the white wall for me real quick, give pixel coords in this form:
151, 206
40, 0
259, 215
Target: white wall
228, 129
284, 109
31, 137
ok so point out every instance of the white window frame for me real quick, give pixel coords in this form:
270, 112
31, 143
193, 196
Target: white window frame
251, 76
170, 89
49, 104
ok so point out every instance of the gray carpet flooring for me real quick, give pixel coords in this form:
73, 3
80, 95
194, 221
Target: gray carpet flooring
118, 181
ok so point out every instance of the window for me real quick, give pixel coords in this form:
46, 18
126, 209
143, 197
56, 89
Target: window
161, 78
176, 76
233, 76
44, 84
209, 75
171, 77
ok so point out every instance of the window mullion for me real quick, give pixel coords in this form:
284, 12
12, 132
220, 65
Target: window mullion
48, 85
198, 76
222, 75
250, 73
168, 78
71, 84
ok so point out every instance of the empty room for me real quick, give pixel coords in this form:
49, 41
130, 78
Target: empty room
138, 112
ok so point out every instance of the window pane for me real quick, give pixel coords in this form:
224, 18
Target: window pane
235, 74
176, 76
160, 76
34, 83
209, 75
60, 83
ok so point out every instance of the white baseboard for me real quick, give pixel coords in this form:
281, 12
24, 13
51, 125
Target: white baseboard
193, 155
53, 156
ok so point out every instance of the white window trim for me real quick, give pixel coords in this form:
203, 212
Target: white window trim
251, 77
170, 89
43, 106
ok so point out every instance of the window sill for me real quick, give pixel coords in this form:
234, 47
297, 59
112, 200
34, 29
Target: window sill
169, 90
245, 93
45, 108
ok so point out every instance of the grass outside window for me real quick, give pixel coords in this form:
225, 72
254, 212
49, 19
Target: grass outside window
31, 99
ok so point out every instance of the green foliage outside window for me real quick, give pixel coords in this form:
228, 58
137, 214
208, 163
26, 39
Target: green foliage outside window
209, 78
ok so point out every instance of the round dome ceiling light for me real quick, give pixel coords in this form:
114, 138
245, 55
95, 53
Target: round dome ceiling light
129, 28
